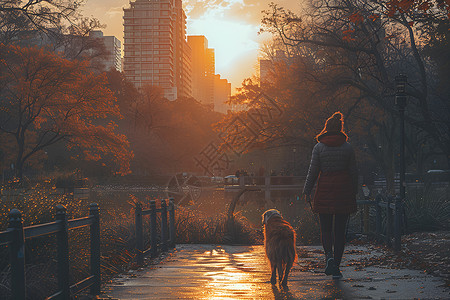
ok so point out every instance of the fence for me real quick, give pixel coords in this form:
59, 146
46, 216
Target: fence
388, 229
167, 226
265, 183
16, 235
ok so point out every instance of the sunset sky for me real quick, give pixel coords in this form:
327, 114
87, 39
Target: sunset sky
231, 27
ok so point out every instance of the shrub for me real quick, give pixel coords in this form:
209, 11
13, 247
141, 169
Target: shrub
193, 226
428, 208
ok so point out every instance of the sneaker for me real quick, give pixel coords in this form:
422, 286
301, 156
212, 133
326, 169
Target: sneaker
337, 273
330, 268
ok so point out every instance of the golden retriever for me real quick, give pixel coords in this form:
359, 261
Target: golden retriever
279, 241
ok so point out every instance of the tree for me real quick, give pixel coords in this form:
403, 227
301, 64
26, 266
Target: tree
46, 99
55, 24
41, 15
367, 46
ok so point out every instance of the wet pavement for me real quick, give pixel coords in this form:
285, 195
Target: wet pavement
241, 272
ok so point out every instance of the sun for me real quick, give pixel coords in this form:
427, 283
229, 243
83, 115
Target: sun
235, 43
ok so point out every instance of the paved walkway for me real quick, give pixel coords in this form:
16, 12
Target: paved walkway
241, 272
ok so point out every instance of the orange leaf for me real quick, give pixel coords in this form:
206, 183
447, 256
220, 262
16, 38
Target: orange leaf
356, 18
374, 17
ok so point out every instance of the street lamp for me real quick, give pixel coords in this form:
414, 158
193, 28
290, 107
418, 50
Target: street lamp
293, 151
400, 101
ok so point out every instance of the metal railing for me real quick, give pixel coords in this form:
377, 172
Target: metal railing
16, 235
167, 228
388, 229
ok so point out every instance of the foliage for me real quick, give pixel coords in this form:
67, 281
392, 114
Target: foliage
308, 229
423, 8
428, 209
344, 56
18, 18
164, 135
193, 226
46, 99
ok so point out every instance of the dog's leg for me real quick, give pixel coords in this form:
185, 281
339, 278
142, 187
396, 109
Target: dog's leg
286, 273
273, 278
280, 270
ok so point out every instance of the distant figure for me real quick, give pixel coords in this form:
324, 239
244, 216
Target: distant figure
333, 163
238, 173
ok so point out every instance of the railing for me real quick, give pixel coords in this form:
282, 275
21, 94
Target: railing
167, 237
266, 184
16, 235
391, 231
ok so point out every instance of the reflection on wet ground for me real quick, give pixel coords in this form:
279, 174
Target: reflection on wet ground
241, 272
221, 272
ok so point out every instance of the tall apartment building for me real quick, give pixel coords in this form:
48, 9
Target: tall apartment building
222, 93
113, 47
203, 69
155, 48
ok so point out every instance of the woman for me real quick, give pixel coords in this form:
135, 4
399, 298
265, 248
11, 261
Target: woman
333, 163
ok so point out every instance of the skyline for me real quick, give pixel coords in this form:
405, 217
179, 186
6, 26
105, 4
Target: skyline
231, 27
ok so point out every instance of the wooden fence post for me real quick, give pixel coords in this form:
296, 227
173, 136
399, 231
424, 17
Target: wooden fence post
17, 255
95, 248
62, 241
172, 223
397, 223
139, 234
153, 231
378, 216
164, 225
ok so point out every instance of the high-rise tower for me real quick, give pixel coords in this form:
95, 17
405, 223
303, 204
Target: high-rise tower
203, 69
155, 48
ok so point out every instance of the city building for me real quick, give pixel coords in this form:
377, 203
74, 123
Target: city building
203, 69
113, 47
155, 48
71, 46
222, 93
266, 67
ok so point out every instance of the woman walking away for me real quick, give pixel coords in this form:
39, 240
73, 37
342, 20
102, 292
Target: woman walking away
333, 163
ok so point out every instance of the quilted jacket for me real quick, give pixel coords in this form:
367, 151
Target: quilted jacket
332, 154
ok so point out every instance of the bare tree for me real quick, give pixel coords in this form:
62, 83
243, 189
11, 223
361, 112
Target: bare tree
366, 48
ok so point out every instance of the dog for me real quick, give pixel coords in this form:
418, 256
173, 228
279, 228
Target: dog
279, 242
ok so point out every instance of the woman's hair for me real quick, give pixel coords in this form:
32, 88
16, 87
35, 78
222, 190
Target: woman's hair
335, 123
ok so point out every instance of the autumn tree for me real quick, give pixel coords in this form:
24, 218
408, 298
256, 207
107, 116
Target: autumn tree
46, 99
360, 46
164, 135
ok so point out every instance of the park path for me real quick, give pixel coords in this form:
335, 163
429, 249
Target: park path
241, 272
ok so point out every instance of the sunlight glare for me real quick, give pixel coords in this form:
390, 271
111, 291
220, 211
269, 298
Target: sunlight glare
231, 40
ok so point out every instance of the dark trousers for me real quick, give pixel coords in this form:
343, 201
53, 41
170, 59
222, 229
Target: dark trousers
336, 241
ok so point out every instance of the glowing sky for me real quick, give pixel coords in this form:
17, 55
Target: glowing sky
231, 27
